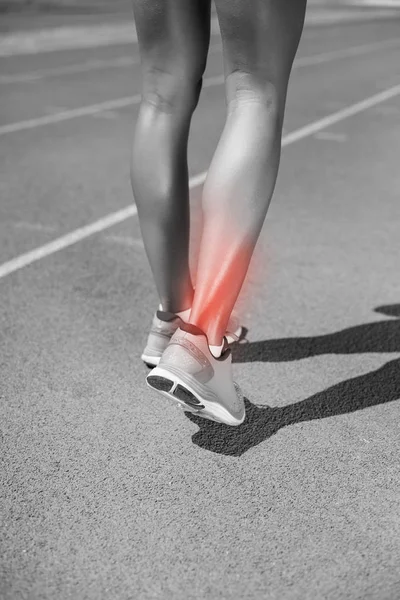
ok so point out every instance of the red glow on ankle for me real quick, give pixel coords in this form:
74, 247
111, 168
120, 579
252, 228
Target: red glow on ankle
222, 284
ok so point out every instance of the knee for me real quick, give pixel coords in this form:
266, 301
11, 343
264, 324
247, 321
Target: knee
244, 89
172, 91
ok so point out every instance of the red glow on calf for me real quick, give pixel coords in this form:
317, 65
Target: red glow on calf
223, 275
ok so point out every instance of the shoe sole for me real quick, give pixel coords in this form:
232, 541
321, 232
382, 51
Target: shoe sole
172, 386
152, 360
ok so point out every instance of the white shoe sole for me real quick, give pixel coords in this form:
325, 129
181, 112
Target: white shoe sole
191, 395
150, 360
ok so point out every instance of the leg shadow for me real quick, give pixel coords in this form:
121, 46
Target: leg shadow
381, 336
378, 387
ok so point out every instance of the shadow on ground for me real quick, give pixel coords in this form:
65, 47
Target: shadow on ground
378, 387
381, 336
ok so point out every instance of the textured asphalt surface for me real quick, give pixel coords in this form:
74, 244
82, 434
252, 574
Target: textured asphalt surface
110, 492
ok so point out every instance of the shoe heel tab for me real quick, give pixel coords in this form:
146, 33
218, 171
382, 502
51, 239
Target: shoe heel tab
192, 329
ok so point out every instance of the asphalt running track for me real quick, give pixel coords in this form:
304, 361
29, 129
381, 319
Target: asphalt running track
109, 492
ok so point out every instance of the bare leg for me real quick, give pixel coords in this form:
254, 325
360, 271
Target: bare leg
260, 39
173, 40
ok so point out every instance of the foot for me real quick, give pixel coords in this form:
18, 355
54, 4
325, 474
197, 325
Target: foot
164, 326
191, 376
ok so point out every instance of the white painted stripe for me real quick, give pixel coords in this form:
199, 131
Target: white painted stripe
128, 61
93, 36
340, 115
378, 3
117, 217
326, 57
67, 115
66, 38
336, 17
208, 82
87, 66
73, 38
67, 240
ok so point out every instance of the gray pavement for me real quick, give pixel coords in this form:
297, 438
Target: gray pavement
33, 30
108, 492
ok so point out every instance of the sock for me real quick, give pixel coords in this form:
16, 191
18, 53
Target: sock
216, 350
183, 314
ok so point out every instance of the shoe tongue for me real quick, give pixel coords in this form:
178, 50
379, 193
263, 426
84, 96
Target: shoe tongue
164, 315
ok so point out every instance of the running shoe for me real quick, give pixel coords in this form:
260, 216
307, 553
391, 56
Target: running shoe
191, 376
164, 326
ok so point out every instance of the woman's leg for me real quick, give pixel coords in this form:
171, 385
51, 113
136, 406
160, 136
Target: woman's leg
173, 38
260, 39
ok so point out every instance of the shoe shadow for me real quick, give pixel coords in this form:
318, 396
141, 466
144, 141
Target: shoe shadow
378, 387
381, 336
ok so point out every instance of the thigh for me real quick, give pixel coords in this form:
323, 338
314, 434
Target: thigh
173, 36
260, 40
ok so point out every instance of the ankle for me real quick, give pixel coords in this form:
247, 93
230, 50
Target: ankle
182, 314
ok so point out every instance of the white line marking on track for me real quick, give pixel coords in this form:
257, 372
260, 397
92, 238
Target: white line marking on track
345, 113
63, 38
121, 215
128, 61
324, 57
70, 114
67, 240
90, 65
119, 103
